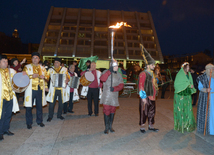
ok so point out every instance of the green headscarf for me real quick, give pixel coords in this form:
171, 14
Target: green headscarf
182, 82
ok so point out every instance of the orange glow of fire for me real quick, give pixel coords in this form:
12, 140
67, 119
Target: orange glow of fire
118, 25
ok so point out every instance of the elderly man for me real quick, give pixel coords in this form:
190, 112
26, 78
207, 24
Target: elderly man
148, 87
35, 92
112, 84
204, 90
8, 101
57, 93
93, 91
70, 107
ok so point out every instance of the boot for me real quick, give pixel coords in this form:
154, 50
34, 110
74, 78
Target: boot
106, 120
111, 122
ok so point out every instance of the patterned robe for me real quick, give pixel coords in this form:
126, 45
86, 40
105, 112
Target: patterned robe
202, 104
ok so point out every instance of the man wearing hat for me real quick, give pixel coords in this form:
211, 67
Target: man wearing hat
8, 101
57, 93
148, 87
204, 91
35, 92
112, 84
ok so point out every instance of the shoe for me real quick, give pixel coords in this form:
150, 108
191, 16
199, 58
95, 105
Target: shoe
71, 111
89, 114
142, 130
96, 115
61, 117
8, 133
29, 126
153, 129
49, 119
64, 112
1, 137
41, 124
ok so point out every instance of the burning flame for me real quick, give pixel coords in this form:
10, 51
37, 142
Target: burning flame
118, 25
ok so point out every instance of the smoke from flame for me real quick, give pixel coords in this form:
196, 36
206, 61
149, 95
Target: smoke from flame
118, 25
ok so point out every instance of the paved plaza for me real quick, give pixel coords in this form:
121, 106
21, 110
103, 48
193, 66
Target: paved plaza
80, 134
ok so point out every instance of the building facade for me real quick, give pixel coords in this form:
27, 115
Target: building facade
197, 60
73, 33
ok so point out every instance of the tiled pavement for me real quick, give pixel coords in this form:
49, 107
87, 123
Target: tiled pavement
80, 134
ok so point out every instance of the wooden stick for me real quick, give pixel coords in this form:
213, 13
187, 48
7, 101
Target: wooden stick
208, 98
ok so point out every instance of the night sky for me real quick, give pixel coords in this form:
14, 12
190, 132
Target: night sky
183, 26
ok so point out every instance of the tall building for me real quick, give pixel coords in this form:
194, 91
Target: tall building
73, 33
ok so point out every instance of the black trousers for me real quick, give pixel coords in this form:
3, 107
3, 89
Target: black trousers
51, 105
6, 116
93, 93
70, 106
36, 94
147, 111
164, 89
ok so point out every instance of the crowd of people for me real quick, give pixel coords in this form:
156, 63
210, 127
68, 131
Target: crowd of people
103, 89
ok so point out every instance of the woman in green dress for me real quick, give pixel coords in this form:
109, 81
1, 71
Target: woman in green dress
183, 115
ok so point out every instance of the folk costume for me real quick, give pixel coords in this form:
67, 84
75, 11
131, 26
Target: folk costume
112, 84
35, 93
147, 86
73, 93
93, 92
203, 84
57, 93
183, 115
8, 101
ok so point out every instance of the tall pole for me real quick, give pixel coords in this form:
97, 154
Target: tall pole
112, 33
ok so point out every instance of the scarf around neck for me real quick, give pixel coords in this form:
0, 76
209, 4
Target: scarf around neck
182, 82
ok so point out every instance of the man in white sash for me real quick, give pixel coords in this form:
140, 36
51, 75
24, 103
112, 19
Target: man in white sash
72, 92
57, 93
35, 93
8, 101
93, 90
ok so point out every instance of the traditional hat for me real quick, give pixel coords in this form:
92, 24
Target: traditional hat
12, 60
3, 57
35, 54
185, 63
146, 56
58, 59
114, 63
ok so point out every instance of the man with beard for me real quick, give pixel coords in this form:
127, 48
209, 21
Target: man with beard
8, 101
112, 84
204, 91
148, 87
